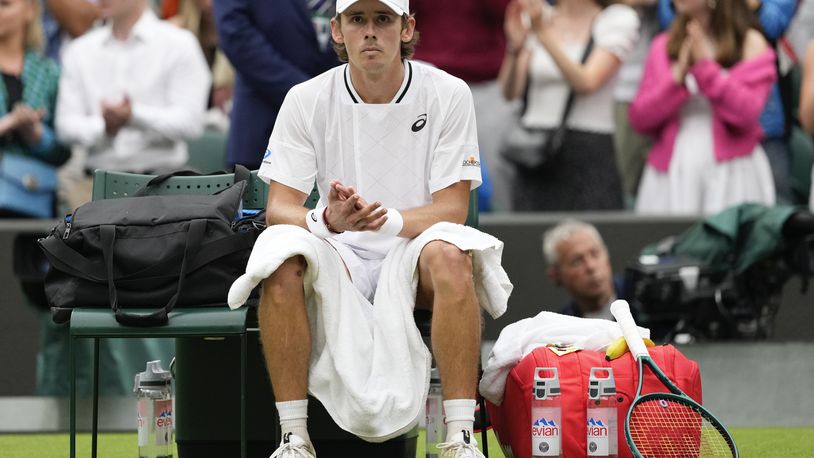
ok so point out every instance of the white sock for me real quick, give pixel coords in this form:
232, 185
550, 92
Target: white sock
294, 418
459, 414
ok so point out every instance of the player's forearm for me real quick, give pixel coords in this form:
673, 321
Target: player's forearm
286, 214
449, 204
419, 219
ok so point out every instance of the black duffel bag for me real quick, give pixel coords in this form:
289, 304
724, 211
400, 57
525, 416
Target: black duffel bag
149, 252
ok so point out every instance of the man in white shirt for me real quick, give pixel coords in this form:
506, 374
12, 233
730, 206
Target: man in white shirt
392, 145
133, 92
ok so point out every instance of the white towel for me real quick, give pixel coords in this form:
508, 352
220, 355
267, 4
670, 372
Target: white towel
522, 337
369, 366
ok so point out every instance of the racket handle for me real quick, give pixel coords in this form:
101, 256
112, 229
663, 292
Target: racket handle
621, 311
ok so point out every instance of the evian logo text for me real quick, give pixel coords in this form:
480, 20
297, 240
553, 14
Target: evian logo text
596, 428
545, 428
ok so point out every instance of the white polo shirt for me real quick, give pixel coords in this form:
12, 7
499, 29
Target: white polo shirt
161, 68
398, 153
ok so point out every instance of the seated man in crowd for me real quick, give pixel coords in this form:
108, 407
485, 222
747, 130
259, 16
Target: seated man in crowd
578, 261
133, 92
393, 147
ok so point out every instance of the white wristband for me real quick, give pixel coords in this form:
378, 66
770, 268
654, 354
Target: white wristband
394, 223
316, 223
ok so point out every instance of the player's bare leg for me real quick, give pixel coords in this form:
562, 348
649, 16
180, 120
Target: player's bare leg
286, 337
446, 286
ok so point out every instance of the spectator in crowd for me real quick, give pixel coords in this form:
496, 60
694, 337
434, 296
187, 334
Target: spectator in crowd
801, 30
272, 45
704, 86
807, 104
465, 38
133, 92
630, 146
197, 17
542, 62
774, 17
64, 20
28, 95
578, 261
807, 91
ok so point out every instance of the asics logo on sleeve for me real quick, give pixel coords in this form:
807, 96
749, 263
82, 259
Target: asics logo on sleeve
422, 121
313, 217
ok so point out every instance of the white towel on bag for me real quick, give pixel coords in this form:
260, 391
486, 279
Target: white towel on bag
521, 338
369, 366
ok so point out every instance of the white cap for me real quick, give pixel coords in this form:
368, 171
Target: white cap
400, 7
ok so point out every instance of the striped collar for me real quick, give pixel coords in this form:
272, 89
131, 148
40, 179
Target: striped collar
405, 84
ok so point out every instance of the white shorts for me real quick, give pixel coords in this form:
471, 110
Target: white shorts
364, 272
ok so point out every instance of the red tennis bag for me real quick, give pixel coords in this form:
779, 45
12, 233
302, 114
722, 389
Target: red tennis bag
511, 420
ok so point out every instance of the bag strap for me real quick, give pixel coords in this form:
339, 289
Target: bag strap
69, 260
160, 317
569, 103
241, 174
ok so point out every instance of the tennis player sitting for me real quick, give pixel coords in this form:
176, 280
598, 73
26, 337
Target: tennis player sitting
392, 145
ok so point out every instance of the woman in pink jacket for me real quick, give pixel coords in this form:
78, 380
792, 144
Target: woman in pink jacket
705, 83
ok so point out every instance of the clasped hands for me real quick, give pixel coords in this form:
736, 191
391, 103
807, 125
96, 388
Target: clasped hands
27, 121
348, 211
695, 48
116, 115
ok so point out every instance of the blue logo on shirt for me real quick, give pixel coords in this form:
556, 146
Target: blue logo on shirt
268, 154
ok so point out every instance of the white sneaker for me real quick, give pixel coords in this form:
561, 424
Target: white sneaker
293, 446
462, 445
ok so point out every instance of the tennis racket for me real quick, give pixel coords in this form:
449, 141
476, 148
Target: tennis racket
665, 424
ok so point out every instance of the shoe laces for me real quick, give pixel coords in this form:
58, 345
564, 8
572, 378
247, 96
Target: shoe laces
293, 447
461, 446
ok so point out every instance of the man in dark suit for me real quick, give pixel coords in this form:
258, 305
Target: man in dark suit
273, 45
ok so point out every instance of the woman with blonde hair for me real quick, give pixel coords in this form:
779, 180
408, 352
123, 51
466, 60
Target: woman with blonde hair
29, 151
705, 84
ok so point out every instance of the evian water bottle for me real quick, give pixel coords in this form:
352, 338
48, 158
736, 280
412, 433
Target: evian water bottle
155, 419
601, 414
546, 413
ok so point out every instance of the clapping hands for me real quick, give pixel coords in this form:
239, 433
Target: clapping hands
539, 20
694, 49
26, 121
116, 115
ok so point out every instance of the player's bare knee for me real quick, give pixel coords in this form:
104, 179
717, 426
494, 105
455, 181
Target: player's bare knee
284, 283
447, 261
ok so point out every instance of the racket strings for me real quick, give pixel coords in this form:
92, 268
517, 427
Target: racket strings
666, 428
